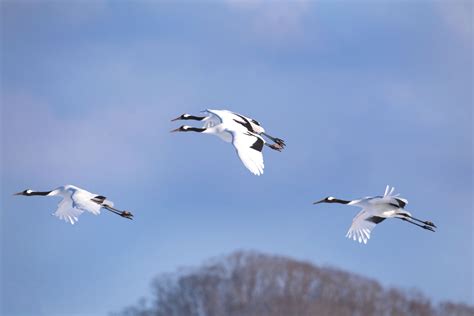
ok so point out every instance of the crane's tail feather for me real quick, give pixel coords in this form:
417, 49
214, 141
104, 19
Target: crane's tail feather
389, 191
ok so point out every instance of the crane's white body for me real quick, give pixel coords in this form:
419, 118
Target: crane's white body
386, 206
216, 117
230, 128
75, 201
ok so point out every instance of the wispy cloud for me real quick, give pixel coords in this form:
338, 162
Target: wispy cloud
275, 19
458, 16
39, 142
74, 13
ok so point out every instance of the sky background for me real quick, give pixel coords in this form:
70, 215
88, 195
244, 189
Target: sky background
365, 94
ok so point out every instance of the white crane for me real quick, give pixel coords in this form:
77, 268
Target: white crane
375, 210
243, 132
75, 201
251, 124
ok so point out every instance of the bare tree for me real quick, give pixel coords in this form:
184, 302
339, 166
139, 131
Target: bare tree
254, 284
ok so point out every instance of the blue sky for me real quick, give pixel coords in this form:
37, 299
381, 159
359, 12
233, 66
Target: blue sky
364, 94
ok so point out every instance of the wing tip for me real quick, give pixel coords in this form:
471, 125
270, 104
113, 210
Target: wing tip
358, 236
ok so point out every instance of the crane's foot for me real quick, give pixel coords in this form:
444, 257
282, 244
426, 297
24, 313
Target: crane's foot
126, 214
429, 228
280, 142
430, 224
276, 147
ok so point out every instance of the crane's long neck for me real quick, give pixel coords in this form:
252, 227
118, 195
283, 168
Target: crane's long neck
340, 201
44, 193
196, 118
196, 129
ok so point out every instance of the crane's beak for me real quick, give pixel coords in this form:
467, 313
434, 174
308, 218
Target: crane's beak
317, 202
19, 193
176, 130
176, 119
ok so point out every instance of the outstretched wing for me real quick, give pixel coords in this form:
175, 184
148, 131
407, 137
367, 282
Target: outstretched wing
362, 226
212, 119
76, 201
87, 201
249, 148
66, 210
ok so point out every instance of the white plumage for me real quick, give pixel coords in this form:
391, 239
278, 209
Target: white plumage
75, 201
374, 211
243, 132
249, 149
248, 144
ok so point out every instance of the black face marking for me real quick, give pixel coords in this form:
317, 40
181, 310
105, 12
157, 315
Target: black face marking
375, 219
36, 193
258, 145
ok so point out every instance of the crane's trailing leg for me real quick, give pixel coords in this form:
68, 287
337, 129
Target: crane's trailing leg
427, 227
125, 214
280, 142
275, 146
420, 221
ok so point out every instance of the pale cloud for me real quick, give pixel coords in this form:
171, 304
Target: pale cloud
108, 142
77, 12
458, 16
277, 19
